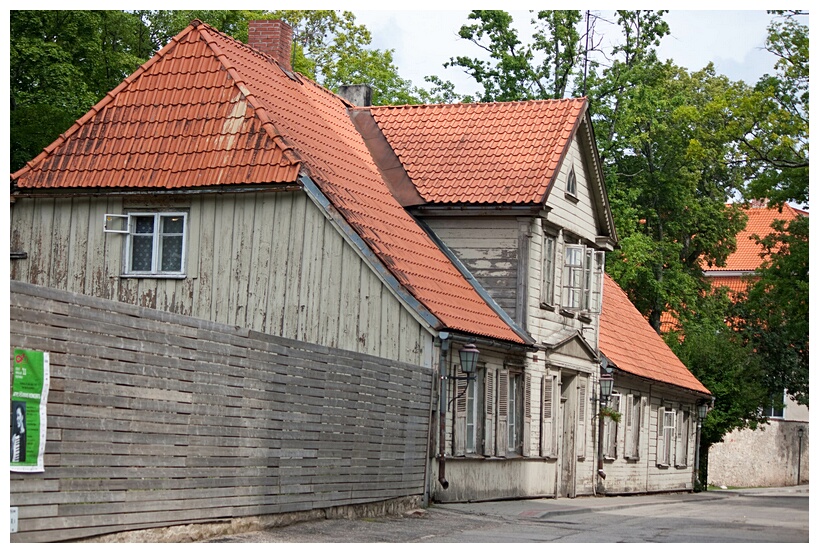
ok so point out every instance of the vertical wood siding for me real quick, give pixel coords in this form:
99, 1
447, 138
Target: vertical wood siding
270, 262
157, 419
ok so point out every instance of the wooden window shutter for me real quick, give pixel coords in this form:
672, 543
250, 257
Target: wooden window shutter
546, 416
628, 430
501, 435
489, 412
526, 438
459, 429
660, 442
581, 419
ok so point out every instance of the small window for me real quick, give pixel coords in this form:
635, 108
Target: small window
156, 244
571, 183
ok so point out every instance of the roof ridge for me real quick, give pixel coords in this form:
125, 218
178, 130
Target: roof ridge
467, 104
104, 101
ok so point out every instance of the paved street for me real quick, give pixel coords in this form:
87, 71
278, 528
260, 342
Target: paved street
769, 515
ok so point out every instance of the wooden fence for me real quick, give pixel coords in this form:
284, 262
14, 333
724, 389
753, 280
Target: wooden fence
156, 419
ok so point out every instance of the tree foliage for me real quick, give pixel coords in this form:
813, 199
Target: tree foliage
772, 317
516, 71
771, 125
63, 62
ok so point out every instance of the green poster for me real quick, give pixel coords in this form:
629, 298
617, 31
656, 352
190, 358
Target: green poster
29, 394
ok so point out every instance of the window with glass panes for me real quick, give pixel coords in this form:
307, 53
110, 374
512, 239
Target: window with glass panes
156, 243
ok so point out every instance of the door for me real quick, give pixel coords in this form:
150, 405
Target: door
568, 449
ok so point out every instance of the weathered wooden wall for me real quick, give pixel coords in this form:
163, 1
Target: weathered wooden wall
267, 261
158, 419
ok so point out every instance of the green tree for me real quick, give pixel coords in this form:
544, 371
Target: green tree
667, 181
728, 368
517, 71
771, 125
61, 64
773, 316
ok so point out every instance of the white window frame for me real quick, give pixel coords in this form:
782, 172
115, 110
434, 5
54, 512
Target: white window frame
611, 429
514, 421
582, 278
474, 414
681, 447
571, 183
633, 422
547, 293
666, 427
156, 248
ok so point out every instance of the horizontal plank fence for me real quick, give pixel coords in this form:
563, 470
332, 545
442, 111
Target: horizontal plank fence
156, 419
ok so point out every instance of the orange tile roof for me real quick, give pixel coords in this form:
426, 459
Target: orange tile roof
747, 256
209, 110
628, 340
492, 153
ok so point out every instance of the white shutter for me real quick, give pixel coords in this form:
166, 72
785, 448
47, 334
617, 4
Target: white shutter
581, 419
459, 431
489, 412
547, 416
502, 434
660, 433
526, 438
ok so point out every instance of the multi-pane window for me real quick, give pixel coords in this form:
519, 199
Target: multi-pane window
610, 430
548, 292
582, 278
665, 436
683, 433
633, 416
155, 242
514, 424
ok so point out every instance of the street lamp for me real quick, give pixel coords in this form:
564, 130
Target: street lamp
469, 359
801, 433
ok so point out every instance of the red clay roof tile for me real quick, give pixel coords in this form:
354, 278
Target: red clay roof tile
495, 153
229, 115
747, 256
631, 343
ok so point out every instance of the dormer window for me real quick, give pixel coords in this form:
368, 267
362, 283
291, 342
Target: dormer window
571, 183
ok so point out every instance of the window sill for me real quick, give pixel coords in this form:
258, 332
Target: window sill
571, 197
632, 459
662, 466
155, 276
607, 459
547, 306
567, 313
680, 466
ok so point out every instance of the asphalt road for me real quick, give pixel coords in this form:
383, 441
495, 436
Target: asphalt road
770, 515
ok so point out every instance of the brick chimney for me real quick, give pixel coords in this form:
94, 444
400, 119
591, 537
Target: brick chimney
274, 37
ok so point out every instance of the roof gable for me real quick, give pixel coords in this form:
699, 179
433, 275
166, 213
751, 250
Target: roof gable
209, 110
488, 153
627, 340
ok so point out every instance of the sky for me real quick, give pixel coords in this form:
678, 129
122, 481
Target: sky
424, 39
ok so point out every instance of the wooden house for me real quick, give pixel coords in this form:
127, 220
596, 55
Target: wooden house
216, 183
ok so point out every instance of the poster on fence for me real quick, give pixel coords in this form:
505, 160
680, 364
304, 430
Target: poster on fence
29, 395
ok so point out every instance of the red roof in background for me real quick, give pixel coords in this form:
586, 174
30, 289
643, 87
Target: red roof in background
747, 256
209, 110
631, 343
492, 153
